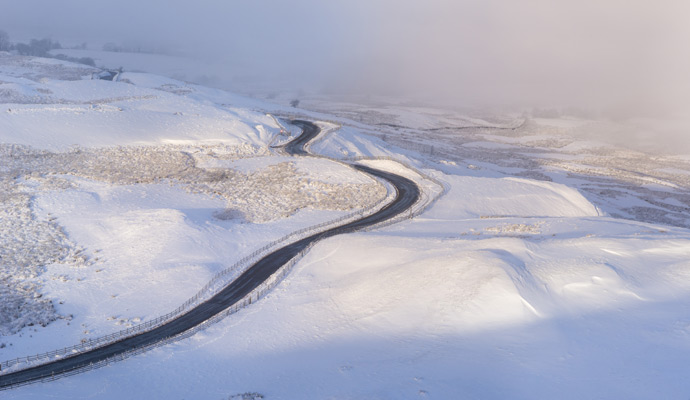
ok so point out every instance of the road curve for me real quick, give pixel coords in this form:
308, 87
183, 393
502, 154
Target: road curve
296, 147
407, 194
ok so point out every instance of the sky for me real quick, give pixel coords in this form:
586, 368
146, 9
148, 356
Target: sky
464, 51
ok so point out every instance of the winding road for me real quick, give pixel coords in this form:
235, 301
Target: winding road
407, 194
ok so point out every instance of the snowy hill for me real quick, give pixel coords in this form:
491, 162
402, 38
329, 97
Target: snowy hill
144, 181
527, 279
56, 108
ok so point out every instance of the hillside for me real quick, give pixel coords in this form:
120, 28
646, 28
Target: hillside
526, 279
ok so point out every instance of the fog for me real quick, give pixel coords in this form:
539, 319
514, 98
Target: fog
615, 52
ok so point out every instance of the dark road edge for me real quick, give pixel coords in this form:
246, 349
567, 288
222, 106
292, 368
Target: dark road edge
408, 193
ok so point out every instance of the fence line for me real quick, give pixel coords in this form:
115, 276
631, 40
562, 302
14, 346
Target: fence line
272, 143
413, 213
250, 298
220, 281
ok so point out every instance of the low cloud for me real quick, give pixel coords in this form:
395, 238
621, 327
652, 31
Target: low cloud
631, 53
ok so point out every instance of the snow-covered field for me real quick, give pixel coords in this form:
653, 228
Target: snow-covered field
555, 266
90, 232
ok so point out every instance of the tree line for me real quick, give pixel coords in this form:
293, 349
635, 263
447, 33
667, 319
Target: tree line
41, 48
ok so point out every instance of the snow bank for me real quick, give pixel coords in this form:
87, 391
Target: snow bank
473, 197
415, 285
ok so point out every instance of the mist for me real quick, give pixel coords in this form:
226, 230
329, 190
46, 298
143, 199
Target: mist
625, 53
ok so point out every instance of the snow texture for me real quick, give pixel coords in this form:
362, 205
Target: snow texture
555, 266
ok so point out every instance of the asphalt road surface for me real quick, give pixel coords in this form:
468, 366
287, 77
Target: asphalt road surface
407, 195
309, 132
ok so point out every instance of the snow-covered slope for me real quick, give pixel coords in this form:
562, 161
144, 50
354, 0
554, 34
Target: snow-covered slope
117, 206
495, 197
522, 282
51, 113
526, 306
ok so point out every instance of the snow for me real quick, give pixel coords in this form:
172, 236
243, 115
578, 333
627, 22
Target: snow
132, 119
153, 223
439, 317
552, 267
325, 170
94, 113
165, 241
